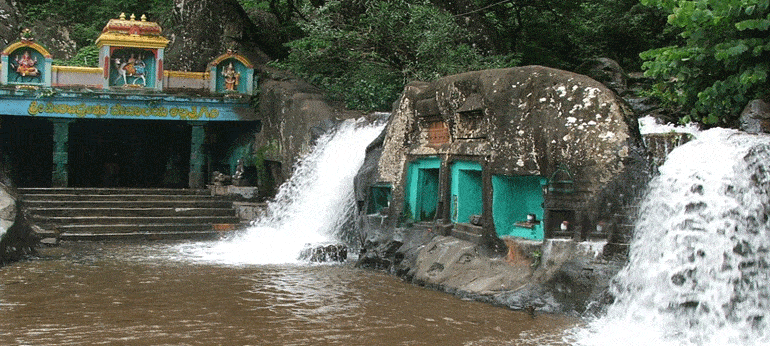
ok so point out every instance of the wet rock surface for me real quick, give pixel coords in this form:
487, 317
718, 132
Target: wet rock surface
325, 253
606, 71
555, 276
17, 239
755, 117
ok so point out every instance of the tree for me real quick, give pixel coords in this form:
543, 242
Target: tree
364, 52
722, 61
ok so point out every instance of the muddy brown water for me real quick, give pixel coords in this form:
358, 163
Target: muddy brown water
145, 294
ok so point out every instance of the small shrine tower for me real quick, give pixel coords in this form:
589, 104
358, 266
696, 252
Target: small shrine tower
26, 63
131, 54
231, 73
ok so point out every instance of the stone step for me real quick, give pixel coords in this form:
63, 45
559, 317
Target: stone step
124, 212
110, 220
137, 228
208, 203
111, 191
157, 235
115, 197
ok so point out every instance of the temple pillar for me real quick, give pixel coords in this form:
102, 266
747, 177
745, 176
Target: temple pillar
197, 156
60, 174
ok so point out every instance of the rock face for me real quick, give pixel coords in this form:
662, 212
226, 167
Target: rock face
55, 38
16, 237
606, 71
9, 32
201, 30
755, 117
293, 115
563, 143
527, 121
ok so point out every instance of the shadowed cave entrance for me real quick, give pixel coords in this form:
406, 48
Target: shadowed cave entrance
129, 153
122, 153
27, 149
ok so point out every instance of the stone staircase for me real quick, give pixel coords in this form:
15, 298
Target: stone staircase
127, 213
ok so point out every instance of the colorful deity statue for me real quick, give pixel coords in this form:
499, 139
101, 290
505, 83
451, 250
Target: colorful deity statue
231, 77
131, 67
25, 65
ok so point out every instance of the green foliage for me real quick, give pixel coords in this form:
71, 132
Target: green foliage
86, 19
722, 63
87, 56
365, 58
618, 29
537, 257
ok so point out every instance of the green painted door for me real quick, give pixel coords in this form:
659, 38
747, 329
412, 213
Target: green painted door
467, 197
428, 194
422, 189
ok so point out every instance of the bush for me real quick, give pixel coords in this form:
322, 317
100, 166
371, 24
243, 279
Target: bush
722, 62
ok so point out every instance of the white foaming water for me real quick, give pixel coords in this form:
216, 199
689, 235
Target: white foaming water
311, 207
650, 124
698, 271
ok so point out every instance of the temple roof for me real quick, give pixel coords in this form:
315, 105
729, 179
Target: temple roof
24, 43
124, 32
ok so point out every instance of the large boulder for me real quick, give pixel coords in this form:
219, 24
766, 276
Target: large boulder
606, 71
524, 121
528, 121
17, 240
755, 117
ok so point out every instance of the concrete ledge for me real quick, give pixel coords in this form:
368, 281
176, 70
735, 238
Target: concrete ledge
467, 232
249, 211
192, 235
238, 192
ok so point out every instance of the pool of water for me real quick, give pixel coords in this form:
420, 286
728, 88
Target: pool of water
150, 294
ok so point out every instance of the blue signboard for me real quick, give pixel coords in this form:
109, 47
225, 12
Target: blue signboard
105, 106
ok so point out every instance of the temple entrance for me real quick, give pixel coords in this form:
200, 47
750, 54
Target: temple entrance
26, 145
129, 153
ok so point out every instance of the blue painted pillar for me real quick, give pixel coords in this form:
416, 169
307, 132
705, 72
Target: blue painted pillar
60, 174
197, 157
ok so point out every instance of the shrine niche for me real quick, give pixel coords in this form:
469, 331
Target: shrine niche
131, 66
131, 54
231, 73
26, 63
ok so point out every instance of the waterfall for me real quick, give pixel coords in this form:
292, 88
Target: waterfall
311, 207
698, 270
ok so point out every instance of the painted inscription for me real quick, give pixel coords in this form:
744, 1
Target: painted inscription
83, 110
